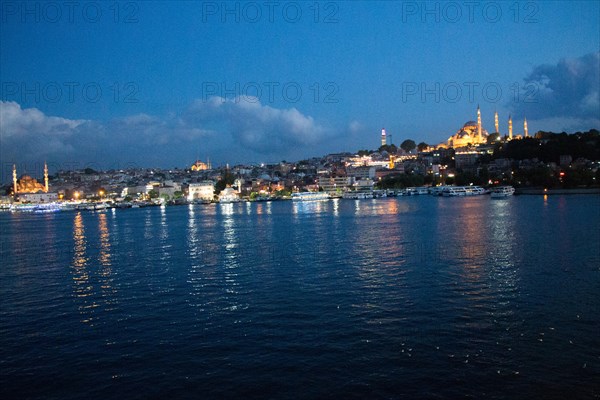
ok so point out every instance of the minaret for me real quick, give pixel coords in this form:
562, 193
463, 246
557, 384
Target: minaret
496, 121
478, 124
525, 128
45, 177
14, 179
383, 137
510, 128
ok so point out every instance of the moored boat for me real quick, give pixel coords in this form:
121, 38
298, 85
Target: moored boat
310, 196
501, 192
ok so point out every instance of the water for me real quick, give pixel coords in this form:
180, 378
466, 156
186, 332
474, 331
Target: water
391, 298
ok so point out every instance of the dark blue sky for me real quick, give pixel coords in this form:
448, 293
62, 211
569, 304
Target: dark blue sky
159, 84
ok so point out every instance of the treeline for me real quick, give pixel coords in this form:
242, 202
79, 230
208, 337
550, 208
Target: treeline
549, 146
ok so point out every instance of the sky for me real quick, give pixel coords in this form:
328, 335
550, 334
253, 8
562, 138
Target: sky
161, 84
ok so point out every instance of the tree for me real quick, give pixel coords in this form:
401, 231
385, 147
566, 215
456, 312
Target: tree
390, 148
493, 138
153, 194
178, 194
226, 179
422, 146
408, 145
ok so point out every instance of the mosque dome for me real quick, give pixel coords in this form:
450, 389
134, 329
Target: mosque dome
470, 124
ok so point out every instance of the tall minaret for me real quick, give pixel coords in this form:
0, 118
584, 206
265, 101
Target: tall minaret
383, 138
496, 121
525, 128
509, 127
45, 177
14, 179
478, 123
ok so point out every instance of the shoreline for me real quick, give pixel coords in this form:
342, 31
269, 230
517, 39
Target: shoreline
542, 191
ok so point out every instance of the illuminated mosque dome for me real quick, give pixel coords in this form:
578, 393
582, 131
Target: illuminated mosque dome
471, 133
27, 184
468, 135
200, 166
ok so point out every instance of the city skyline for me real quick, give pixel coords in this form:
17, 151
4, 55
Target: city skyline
112, 84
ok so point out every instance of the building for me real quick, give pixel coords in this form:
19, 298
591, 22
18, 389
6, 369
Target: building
27, 184
383, 137
473, 134
40, 197
335, 185
362, 172
201, 191
229, 195
200, 166
28, 189
466, 159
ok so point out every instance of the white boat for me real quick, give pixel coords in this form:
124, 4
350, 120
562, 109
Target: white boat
474, 190
354, 195
501, 192
437, 190
309, 196
35, 208
454, 191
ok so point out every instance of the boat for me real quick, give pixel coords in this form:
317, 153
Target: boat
310, 196
356, 195
474, 190
437, 190
35, 207
501, 192
454, 191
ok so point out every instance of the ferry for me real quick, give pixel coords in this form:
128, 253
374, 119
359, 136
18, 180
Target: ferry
309, 196
474, 190
437, 190
454, 191
415, 191
35, 208
501, 192
354, 195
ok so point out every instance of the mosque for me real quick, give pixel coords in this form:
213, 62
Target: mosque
28, 189
200, 166
473, 134
27, 184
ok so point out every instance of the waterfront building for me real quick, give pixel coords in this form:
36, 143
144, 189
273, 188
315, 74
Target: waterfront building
27, 184
201, 191
229, 195
335, 185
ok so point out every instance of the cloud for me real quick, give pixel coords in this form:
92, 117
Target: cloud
567, 90
232, 130
262, 128
15, 121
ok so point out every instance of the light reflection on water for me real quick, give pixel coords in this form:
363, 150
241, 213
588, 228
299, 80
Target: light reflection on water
315, 291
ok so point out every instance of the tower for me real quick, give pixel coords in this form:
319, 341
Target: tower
496, 121
383, 137
14, 179
510, 128
45, 177
478, 124
525, 130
